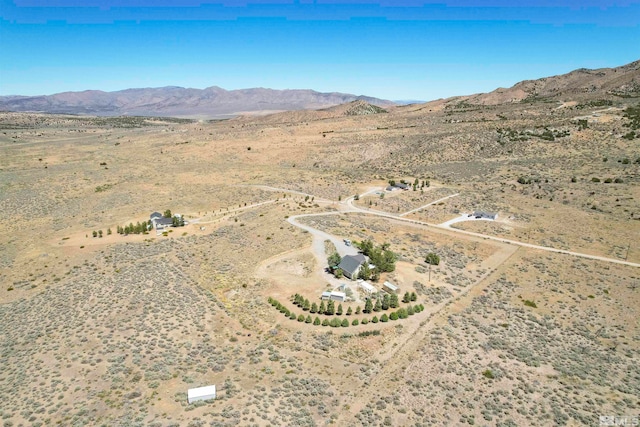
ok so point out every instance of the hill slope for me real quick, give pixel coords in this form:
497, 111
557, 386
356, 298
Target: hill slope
618, 82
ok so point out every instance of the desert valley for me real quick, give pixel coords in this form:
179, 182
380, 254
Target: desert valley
509, 223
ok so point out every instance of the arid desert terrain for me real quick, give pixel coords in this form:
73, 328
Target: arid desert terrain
530, 319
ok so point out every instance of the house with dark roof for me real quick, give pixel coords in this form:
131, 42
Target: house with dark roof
159, 221
350, 265
401, 185
485, 215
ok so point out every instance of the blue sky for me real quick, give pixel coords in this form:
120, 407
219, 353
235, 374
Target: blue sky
403, 49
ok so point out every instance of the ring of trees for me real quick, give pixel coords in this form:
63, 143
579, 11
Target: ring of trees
334, 322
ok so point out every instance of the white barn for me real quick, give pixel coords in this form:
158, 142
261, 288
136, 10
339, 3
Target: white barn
338, 296
390, 288
201, 393
366, 287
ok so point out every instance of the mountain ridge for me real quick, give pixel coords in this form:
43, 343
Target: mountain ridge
216, 102
178, 101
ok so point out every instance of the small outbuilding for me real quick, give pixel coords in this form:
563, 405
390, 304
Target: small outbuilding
201, 393
389, 288
338, 296
366, 287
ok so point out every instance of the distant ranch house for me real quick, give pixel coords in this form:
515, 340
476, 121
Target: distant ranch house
485, 215
160, 222
351, 264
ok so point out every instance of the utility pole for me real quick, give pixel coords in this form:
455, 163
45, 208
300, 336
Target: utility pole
628, 246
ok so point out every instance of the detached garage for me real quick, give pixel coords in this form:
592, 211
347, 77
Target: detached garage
201, 393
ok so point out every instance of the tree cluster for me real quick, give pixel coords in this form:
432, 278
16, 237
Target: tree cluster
137, 228
380, 256
382, 303
432, 259
401, 313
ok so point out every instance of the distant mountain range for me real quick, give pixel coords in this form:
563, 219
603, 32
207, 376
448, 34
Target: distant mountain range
173, 101
215, 102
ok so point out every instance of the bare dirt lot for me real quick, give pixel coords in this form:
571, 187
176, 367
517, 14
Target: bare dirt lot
113, 330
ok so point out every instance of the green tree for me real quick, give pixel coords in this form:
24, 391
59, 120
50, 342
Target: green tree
100, 233
413, 297
378, 306
95, 233
325, 322
384, 318
349, 311
365, 246
385, 302
365, 272
308, 319
406, 297
368, 306
432, 259
358, 310
334, 259
330, 308
393, 301
301, 318
365, 321
316, 321
339, 311
314, 308
335, 322
322, 309
292, 316
306, 305
375, 319
338, 273
355, 322
167, 214
393, 316
402, 313
108, 231
410, 311
345, 322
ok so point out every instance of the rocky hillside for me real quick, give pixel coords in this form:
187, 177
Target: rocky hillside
577, 85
